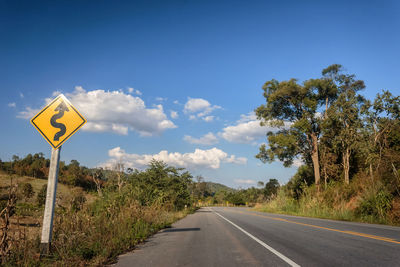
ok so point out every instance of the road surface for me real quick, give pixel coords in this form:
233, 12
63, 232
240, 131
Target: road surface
242, 237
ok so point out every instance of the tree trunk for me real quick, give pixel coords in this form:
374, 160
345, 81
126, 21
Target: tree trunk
315, 159
346, 165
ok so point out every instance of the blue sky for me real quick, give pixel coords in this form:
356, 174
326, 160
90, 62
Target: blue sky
178, 80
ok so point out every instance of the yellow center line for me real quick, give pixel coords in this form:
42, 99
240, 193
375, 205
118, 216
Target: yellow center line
381, 238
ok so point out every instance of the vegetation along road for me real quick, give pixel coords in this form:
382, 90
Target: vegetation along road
242, 237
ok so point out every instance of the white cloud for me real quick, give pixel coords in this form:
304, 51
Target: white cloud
56, 93
199, 108
115, 111
208, 118
207, 139
21, 95
28, 113
106, 127
176, 102
247, 130
174, 114
12, 105
196, 104
134, 91
161, 99
211, 158
235, 160
297, 163
245, 181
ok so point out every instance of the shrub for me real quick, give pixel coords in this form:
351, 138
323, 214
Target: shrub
27, 190
375, 204
41, 196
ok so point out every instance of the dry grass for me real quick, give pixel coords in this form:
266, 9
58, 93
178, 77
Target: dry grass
93, 235
30, 224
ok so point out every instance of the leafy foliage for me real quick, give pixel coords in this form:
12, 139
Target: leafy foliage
354, 143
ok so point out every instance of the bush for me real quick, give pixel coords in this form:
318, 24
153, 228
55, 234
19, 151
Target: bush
375, 205
41, 196
27, 190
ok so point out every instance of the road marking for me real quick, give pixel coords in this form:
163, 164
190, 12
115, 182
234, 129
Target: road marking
381, 238
280, 255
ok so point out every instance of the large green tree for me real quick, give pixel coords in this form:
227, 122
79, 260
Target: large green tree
304, 112
293, 108
381, 120
343, 121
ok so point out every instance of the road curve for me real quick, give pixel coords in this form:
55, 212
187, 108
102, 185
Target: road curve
242, 237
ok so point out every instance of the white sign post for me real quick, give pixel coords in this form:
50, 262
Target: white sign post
56, 122
47, 228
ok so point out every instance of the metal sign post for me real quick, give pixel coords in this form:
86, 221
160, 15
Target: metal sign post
50, 202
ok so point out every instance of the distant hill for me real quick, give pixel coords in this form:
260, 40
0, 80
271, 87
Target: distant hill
216, 187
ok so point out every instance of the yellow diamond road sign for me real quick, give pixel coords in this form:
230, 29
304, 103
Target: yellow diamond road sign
58, 121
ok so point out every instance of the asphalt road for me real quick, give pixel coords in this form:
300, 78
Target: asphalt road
242, 237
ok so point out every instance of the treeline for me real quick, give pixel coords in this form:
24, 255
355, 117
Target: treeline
208, 193
37, 166
349, 145
159, 183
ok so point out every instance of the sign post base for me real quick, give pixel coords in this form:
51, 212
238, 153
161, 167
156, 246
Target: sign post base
44, 249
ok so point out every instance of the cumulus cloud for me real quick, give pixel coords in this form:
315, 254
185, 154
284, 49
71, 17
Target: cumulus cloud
12, 105
211, 158
115, 111
247, 130
54, 94
28, 113
199, 108
174, 114
134, 91
208, 118
245, 181
235, 160
207, 139
161, 99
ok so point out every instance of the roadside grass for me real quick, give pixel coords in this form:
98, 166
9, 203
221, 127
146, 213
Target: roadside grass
85, 233
28, 214
357, 202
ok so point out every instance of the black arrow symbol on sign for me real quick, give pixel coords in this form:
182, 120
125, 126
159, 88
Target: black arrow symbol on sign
61, 108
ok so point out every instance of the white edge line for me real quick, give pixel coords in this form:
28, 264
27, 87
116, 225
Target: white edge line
280, 255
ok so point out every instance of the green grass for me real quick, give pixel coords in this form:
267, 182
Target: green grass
324, 206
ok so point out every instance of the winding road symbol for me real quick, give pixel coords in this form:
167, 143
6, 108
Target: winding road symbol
53, 121
58, 121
